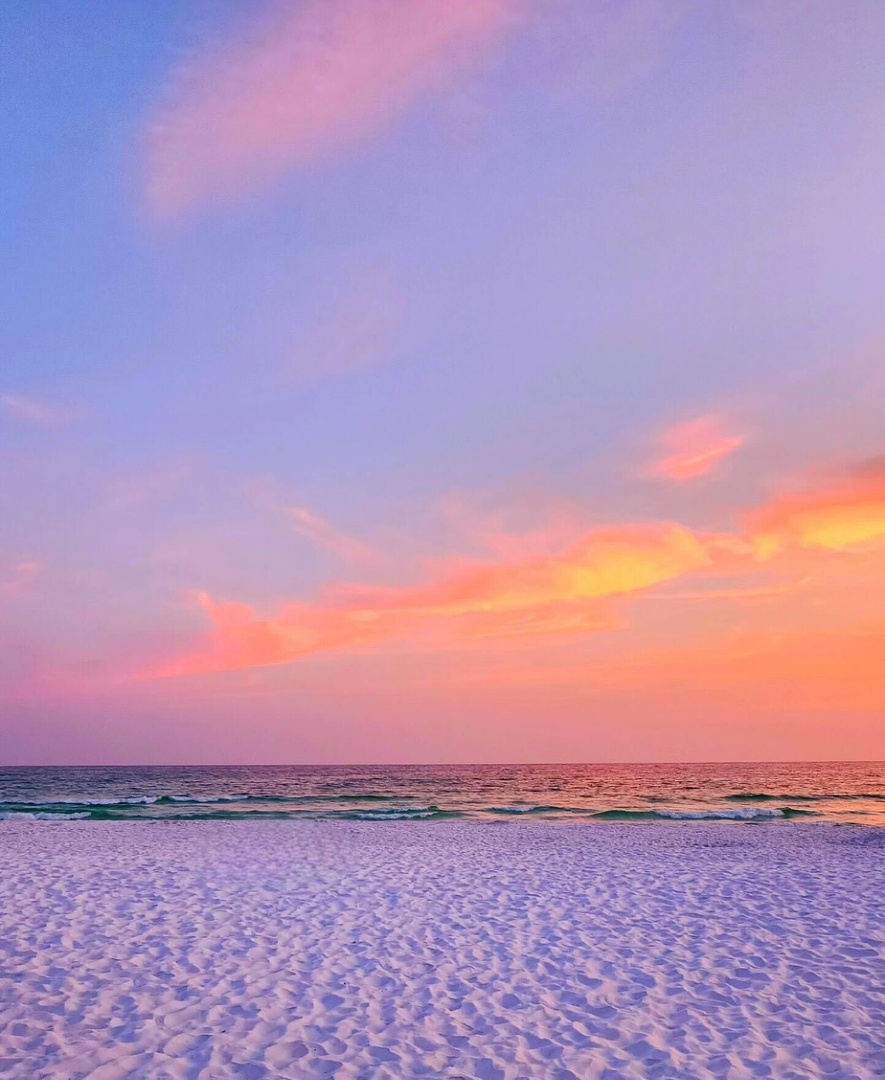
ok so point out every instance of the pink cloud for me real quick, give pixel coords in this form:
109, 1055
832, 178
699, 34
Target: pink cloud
695, 448
19, 577
320, 532
312, 76
527, 524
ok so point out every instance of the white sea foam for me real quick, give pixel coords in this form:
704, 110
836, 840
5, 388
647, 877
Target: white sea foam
510, 950
111, 800
737, 814
210, 798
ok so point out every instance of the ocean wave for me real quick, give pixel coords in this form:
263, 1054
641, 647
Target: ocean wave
391, 813
135, 800
194, 809
232, 808
56, 807
121, 801
196, 815
165, 800
736, 814
295, 800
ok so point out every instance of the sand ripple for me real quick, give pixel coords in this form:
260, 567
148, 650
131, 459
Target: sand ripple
235, 949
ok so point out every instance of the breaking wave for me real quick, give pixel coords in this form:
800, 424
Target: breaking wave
760, 814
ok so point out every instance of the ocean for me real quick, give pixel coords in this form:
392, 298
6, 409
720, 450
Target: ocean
835, 792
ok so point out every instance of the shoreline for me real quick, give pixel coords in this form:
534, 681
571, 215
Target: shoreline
17, 820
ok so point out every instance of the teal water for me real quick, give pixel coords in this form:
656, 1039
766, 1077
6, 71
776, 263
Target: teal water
836, 792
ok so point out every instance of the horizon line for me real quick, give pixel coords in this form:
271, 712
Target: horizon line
430, 764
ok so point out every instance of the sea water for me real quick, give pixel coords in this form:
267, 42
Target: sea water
834, 792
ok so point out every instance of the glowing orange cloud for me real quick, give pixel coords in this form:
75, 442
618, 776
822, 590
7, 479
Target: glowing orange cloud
845, 516
540, 596
571, 592
313, 76
607, 562
695, 448
320, 532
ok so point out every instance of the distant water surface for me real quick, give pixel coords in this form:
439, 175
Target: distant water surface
827, 792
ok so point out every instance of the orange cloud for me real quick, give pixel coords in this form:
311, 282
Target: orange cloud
845, 516
320, 532
537, 596
313, 76
607, 562
574, 591
695, 448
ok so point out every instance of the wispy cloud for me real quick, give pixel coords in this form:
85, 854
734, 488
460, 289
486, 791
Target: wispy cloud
19, 576
322, 533
695, 448
531, 525
359, 333
313, 76
30, 409
149, 486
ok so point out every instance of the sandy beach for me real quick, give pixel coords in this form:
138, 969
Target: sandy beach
243, 949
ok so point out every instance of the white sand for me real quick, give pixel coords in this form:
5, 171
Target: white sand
243, 949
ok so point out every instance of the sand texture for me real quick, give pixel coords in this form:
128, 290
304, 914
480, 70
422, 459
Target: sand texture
396, 950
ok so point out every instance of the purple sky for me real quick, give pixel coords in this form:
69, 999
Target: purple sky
463, 380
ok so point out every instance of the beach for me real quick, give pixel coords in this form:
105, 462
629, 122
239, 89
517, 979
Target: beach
217, 949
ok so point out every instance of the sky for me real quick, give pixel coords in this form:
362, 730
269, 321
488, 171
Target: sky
453, 381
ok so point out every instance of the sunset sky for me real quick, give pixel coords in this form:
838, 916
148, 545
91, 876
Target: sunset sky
442, 380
